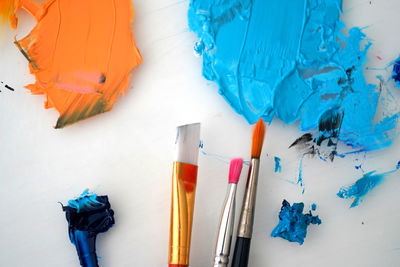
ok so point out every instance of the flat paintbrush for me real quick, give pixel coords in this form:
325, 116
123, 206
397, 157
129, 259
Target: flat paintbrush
225, 229
245, 228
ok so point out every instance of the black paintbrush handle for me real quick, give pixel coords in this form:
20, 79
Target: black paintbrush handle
241, 252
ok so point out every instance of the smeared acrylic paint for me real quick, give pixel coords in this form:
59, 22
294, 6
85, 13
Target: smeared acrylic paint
81, 53
363, 186
278, 167
7, 12
293, 223
293, 60
87, 216
313, 206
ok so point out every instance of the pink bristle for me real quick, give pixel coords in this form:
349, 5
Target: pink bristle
234, 170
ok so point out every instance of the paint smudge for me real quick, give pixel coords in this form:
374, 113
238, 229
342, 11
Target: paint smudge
87, 216
292, 60
396, 72
293, 223
81, 63
278, 167
363, 186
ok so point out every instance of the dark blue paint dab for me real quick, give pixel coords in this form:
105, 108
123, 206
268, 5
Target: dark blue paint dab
396, 71
87, 216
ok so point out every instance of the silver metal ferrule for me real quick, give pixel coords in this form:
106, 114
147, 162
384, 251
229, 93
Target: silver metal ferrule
225, 230
246, 220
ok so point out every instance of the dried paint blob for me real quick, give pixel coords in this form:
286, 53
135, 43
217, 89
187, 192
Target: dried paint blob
87, 216
293, 60
81, 53
293, 223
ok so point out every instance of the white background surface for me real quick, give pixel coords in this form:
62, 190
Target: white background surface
127, 154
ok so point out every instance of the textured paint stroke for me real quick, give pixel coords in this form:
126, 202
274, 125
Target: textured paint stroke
7, 12
293, 223
293, 60
87, 216
81, 53
363, 186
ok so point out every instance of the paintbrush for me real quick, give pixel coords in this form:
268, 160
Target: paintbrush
184, 179
245, 227
225, 230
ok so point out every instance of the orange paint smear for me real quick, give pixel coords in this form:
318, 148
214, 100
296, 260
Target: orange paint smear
81, 53
7, 11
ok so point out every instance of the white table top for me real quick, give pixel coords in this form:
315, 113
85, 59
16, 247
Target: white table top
127, 154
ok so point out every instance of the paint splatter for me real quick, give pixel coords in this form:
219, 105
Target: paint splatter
363, 186
313, 206
87, 216
81, 63
293, 223
278, 167
293, 60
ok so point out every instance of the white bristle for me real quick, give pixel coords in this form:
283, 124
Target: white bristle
187, 143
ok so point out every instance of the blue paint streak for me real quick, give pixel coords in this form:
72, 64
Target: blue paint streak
300, 177
363, 186
278, 167
292, 60
293, 223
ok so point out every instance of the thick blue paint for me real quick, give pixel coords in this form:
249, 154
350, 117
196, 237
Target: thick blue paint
292, 60
87, 216
363, 186
396, 72
293, 223
86, 201
313, 206
278, 167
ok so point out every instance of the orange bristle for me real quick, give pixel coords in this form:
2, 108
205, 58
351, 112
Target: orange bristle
234, 170
258, 139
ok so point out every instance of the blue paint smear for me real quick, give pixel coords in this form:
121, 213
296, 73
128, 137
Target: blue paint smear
293, 60
313, 206
363, 186
300, 177
396, 72
293, 223
278, 167
87, 216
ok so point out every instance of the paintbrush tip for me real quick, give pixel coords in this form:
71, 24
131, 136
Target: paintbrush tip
258, 139
234, 170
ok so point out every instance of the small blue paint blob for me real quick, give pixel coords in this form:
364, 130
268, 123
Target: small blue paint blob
398, 165
87, 216
362, 186
278, 167
293, 223
396, 72
313, 206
